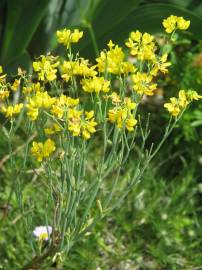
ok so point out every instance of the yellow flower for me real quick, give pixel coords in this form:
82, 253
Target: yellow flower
173, 106
193, 95
182, 24
66, 36
62, 104
43, 150
15, 85
48, 148
112, 61
176, 105
122, 115
143, 83
80, 123
2, 76
46, 67
160, 64
77, 68
141, 45
11, 111
173, 23
95, 84
4, 93
170, 23
34, 87
115, 98
40, 100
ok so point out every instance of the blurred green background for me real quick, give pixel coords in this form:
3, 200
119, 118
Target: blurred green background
159, 226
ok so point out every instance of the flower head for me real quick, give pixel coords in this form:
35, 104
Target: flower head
66, 36
46, 67
176, 105
43, 150
42, 233
142, 83
113, 62
173, 23
141, 45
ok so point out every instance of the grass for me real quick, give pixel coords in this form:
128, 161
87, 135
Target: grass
158, 227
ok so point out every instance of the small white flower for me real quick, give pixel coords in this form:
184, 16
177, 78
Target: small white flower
42, 232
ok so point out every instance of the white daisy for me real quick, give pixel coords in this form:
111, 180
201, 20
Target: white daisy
42, 232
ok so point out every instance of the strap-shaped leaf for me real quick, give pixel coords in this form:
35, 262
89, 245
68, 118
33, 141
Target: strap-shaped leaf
147, 18
23, 17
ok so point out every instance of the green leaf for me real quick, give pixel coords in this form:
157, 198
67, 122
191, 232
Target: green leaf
154, 14
111, 13
23, 60
22, 20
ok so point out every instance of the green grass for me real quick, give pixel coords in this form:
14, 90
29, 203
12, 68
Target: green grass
158, 227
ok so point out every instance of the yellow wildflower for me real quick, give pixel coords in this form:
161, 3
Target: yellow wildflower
2, 76
173, 23
95, 84
113, 62
81, 124
66, 36
43, 150
176, 105
12, 110
141, 45
34, 87
62, 104
46, 67
160, 64
182, 24
193, 95
143, 84
4, 93
40, 100
15, 85
115, 98
173, 106
77, 68
122, 115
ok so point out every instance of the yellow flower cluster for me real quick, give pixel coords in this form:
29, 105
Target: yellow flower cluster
95, 84
43, 150
122, 113
38, 101
77, 68
81, 123
173, 23
66, 36
176, 105
142, 83
112, 61
4, 93
57, 104
61, 105
46, 67
15, 85
12, 110
141, 45
160, 64
33, 88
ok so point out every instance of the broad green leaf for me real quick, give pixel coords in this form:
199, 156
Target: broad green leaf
111, 13
23, 17
154, 14
23, 60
